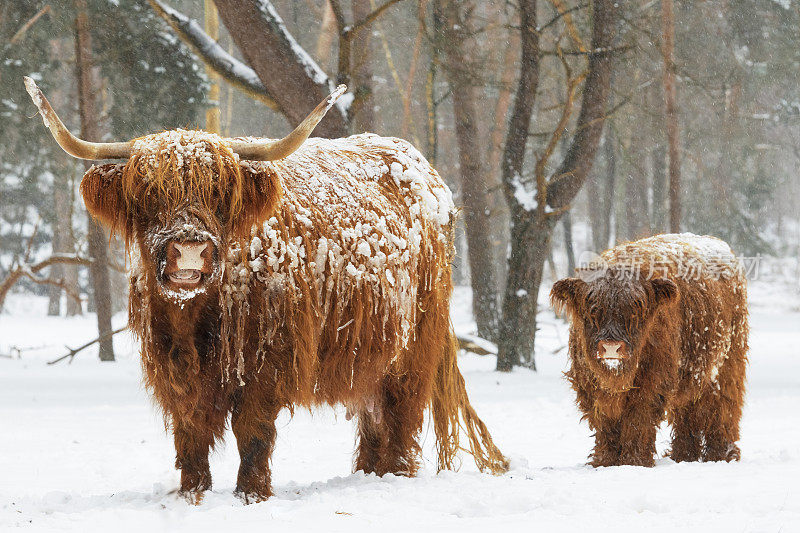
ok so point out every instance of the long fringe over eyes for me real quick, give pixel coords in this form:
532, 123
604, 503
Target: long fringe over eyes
183, 166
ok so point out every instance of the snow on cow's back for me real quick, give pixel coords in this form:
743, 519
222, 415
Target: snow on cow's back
363, 214
352, 173
681, 254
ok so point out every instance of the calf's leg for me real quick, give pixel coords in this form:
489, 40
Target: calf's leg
637, 443
687, 436
606, 444
721, 411
638, 426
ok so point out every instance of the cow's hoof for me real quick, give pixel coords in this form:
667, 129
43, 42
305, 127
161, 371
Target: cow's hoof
192, 496
252, 496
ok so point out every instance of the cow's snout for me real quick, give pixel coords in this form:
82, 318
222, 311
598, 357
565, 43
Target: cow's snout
188, 262
190, 255
611, 350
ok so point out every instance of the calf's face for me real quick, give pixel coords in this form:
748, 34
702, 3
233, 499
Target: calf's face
613, 315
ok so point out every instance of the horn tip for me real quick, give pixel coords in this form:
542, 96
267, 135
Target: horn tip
30, 85
340, 90
36, 95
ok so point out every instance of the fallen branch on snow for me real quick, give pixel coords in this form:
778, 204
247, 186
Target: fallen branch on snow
73, 351
476, 345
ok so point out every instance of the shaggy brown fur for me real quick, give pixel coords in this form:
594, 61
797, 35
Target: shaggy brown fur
340, 297
678, 305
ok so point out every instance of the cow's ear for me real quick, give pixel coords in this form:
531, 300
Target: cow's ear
664, 290
101, 188
261, 193
566, 295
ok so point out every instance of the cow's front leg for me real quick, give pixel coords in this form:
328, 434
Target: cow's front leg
192, 446
253, 424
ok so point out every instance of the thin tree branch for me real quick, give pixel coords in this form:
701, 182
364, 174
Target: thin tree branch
580, 154
372, 16
569, 23
541, 163
348, 32
74, 351
412, 70
338, 14
24, 269
25, 27
57, 282
560, 15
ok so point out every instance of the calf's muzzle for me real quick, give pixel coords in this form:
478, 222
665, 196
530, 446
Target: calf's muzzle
608, 349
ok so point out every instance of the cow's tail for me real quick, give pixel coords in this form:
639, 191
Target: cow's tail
453, 413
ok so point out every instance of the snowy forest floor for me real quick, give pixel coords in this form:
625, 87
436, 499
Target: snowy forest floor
83, 449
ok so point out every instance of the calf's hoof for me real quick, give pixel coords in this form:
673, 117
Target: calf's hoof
598, 459
723, 452
683, 456
250, 496
632, 460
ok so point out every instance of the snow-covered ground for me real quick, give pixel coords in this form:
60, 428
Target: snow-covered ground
82, 449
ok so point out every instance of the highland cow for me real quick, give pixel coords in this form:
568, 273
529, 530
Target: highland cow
659, 328
271, 274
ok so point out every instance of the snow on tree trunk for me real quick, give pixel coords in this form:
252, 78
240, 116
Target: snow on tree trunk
90, 131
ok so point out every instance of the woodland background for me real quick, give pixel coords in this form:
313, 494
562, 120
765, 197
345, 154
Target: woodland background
549, 120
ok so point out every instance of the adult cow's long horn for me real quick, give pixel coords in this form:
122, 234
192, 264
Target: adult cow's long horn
269, 150
69, 143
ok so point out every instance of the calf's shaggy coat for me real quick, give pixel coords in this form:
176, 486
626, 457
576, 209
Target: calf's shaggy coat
321, 277
659, 328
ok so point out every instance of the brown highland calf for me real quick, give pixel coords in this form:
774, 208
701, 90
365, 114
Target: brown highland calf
271, 274
659, 327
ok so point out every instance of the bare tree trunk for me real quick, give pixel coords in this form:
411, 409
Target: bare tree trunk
532, 229
290, 76
90, 131
327, 33
499, 210
63, 198
56, 271
362, 114
431, 103
569, 244
610, 186
474, 178
658, 159
595, 209
571, 174
63, 243
529, 248
212, 29
671, 115
601, 194
503, 103
658, 162
636, 192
